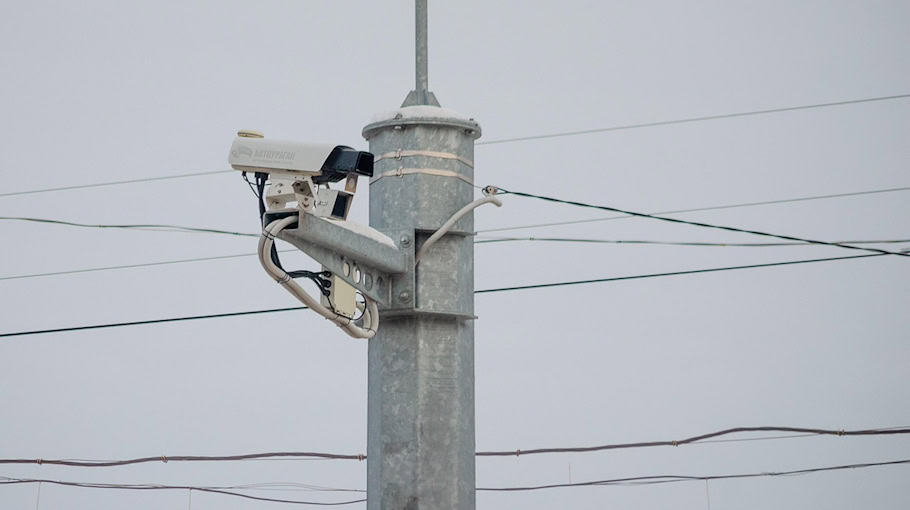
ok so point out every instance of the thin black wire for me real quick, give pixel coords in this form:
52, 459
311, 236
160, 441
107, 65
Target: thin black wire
484, 241
213, 490
696, 439
517, 139
154, 321
114, 183
133, 266
482, 291
672, 273
699, 439
660, 479
139, 226
691, 119
699, 209
673, 243
697, 223
199, 259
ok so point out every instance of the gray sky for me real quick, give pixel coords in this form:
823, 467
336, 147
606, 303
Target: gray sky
102, 91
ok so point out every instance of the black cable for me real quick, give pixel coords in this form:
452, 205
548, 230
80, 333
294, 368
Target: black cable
317, 277
288, 250
709, 208
691, 119
518, 139
673, 243
698, 224
672, 273
702, 438
155, 321
141, 226
483, 291
114, 183
659, 479
212, 490
697, 439
133, 266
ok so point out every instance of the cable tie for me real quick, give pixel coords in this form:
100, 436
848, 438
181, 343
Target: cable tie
675, 443
39, 461
398, 154
164, 459
517, 453
360, 457
398, 173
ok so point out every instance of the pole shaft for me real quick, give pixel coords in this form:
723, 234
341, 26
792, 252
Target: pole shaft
420, 415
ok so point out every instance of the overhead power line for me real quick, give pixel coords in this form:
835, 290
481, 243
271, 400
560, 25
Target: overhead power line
491, 239
687, 120
701, 438
113, 183
516, 139
481, 241
201, 259
700, 209
697, 223
186, 458
660, 479
482, 291
133, 266
625, 481
147, 487
695, 439
672, 273
133, 226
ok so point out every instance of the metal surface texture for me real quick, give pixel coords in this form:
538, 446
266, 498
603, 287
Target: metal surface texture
421, 93
421, 361
338, 248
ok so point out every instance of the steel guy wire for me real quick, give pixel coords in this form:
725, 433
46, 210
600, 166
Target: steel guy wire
700, 209
697, 223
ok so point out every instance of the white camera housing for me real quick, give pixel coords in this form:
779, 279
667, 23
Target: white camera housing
324, 162
297, 159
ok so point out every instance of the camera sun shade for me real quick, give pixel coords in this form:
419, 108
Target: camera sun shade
344, 161
324, 163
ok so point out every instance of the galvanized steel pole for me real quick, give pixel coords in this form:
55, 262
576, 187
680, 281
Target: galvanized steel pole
421, 361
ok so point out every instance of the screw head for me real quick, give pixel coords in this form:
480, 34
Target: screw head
404, 297
405, 240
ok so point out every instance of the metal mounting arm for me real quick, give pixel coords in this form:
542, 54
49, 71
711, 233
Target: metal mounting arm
360, 255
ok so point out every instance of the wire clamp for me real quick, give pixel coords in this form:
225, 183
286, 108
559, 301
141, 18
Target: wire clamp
164, 459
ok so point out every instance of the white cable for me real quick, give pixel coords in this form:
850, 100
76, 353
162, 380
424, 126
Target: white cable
370, 315
489, 199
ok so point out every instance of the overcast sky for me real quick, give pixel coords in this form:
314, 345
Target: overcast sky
103, 91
